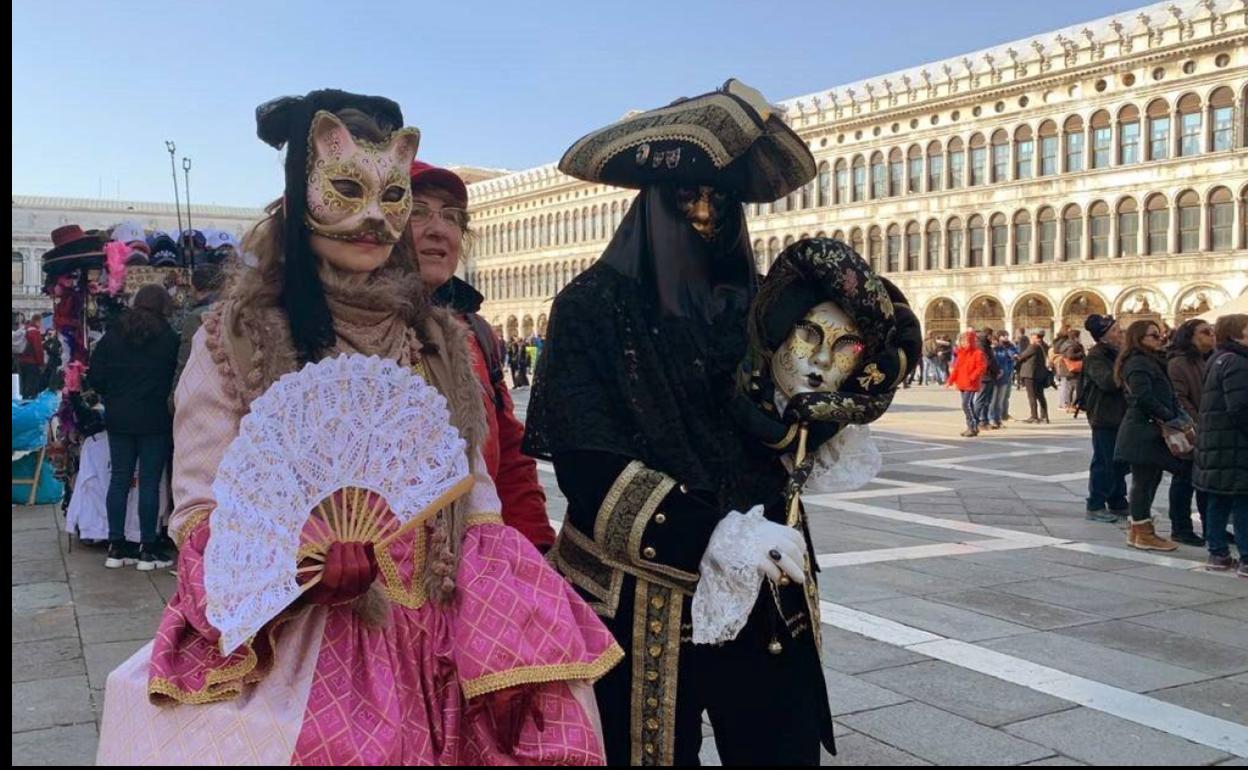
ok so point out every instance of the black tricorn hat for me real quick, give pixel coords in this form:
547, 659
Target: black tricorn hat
731, 139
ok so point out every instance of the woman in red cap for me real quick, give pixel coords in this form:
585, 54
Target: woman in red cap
438, 225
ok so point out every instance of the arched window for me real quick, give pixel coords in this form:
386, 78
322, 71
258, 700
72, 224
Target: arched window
875, 245
935, 167
1098, 227
979, 160
842, 182
1046, 241
1102, 139
780, 205
1072, 230
957, 164
773, 250
894, 248
914, 245
1158, 130
1128, 228
932, 258
615, 215
560, 235
1024, 151
805, 197
19, 269
954, 243
1222, 119
1157, 211
896, 173
1048, 149
1129, 135
975, 230
1191, 138
839, 235
1189, 222
585, 234
860, 179
1074, 144
914, 175
825, 185
1000, 239
788, 241
855, 241
879, 177
1022, 238
1221, 219
1000, 156
595, 223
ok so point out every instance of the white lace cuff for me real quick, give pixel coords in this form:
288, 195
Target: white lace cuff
730, 578
845, 463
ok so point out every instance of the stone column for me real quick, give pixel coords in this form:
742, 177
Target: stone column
1034, 257
1114, 247
1010, 236
1237, 224
1085, 240
1172, 234
1176, 132
1205, 238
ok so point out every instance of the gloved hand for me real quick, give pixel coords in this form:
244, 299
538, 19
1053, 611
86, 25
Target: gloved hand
350, 568
763, 538
508, 709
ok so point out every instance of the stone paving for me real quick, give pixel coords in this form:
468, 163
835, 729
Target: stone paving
971, 615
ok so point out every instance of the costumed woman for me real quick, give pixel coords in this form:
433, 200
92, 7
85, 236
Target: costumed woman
637, 404
455, 644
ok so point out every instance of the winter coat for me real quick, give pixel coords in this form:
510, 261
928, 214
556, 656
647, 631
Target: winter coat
1004, 356
1103, 398
1222, 434
968, 369
1150, 398
135, 381
1187, 377
1033, 363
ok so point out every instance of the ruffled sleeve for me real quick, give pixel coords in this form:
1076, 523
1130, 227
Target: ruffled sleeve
517, 621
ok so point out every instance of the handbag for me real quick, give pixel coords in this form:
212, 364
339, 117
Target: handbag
1180, 442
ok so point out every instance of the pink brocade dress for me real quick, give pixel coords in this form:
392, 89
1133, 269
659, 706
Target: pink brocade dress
321, 685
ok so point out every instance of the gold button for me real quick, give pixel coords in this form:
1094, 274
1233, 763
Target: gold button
652, 702
660, 518
656, 626
657, 602
648, 552
649, 748
652, 676
652, 724
655, 650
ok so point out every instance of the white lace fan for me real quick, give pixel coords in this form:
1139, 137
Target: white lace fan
350, 449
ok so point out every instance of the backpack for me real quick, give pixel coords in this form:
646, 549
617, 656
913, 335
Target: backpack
489, 351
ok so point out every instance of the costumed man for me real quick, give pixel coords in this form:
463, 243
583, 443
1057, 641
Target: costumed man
447, 643
654, 445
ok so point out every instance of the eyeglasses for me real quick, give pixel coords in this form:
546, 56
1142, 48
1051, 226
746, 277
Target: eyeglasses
423, 215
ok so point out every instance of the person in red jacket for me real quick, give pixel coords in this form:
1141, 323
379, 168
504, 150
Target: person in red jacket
969, 365
30, 361
438, 223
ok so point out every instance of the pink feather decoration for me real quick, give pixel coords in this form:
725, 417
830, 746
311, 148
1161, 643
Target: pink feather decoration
115, 255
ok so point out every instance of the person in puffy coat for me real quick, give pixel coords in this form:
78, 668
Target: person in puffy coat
1190, 347
438, 225
1222, 443
969, 365
1140, 370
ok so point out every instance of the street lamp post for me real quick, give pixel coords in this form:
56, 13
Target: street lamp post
186, 168
171, 147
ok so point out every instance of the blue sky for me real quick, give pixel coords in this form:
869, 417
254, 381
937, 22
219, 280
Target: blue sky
98, 86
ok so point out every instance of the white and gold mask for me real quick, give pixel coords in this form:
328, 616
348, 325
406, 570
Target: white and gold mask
358, 189
821, 351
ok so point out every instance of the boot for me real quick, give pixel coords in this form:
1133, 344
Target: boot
1141, 535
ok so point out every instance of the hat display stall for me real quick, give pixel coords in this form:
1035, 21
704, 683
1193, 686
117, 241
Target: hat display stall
73, 249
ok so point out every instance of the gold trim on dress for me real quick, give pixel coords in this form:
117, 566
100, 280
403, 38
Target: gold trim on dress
554, 672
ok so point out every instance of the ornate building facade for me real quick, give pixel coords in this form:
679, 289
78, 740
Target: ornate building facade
34, 219
1098, 168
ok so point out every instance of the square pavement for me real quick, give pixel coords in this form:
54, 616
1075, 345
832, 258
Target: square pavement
971, 614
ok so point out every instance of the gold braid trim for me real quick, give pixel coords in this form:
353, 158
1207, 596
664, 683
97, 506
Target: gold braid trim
196, 517
555, 672
222, 684
626, 511
657, 613
487, 517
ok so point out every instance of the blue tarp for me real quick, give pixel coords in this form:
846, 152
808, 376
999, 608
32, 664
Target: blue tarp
30, 421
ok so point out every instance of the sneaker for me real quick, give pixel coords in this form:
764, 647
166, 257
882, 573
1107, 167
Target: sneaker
153, 557
1188, 538
1103, 516
120, 554
1219, 563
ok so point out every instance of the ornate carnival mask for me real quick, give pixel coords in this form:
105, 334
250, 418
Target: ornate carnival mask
821, 351
357, 188
705, 207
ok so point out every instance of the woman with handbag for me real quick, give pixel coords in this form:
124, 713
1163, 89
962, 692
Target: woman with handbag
1190, 347
1155, 433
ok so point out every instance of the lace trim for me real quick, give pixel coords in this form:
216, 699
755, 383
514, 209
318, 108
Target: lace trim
590, 671
730, 579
